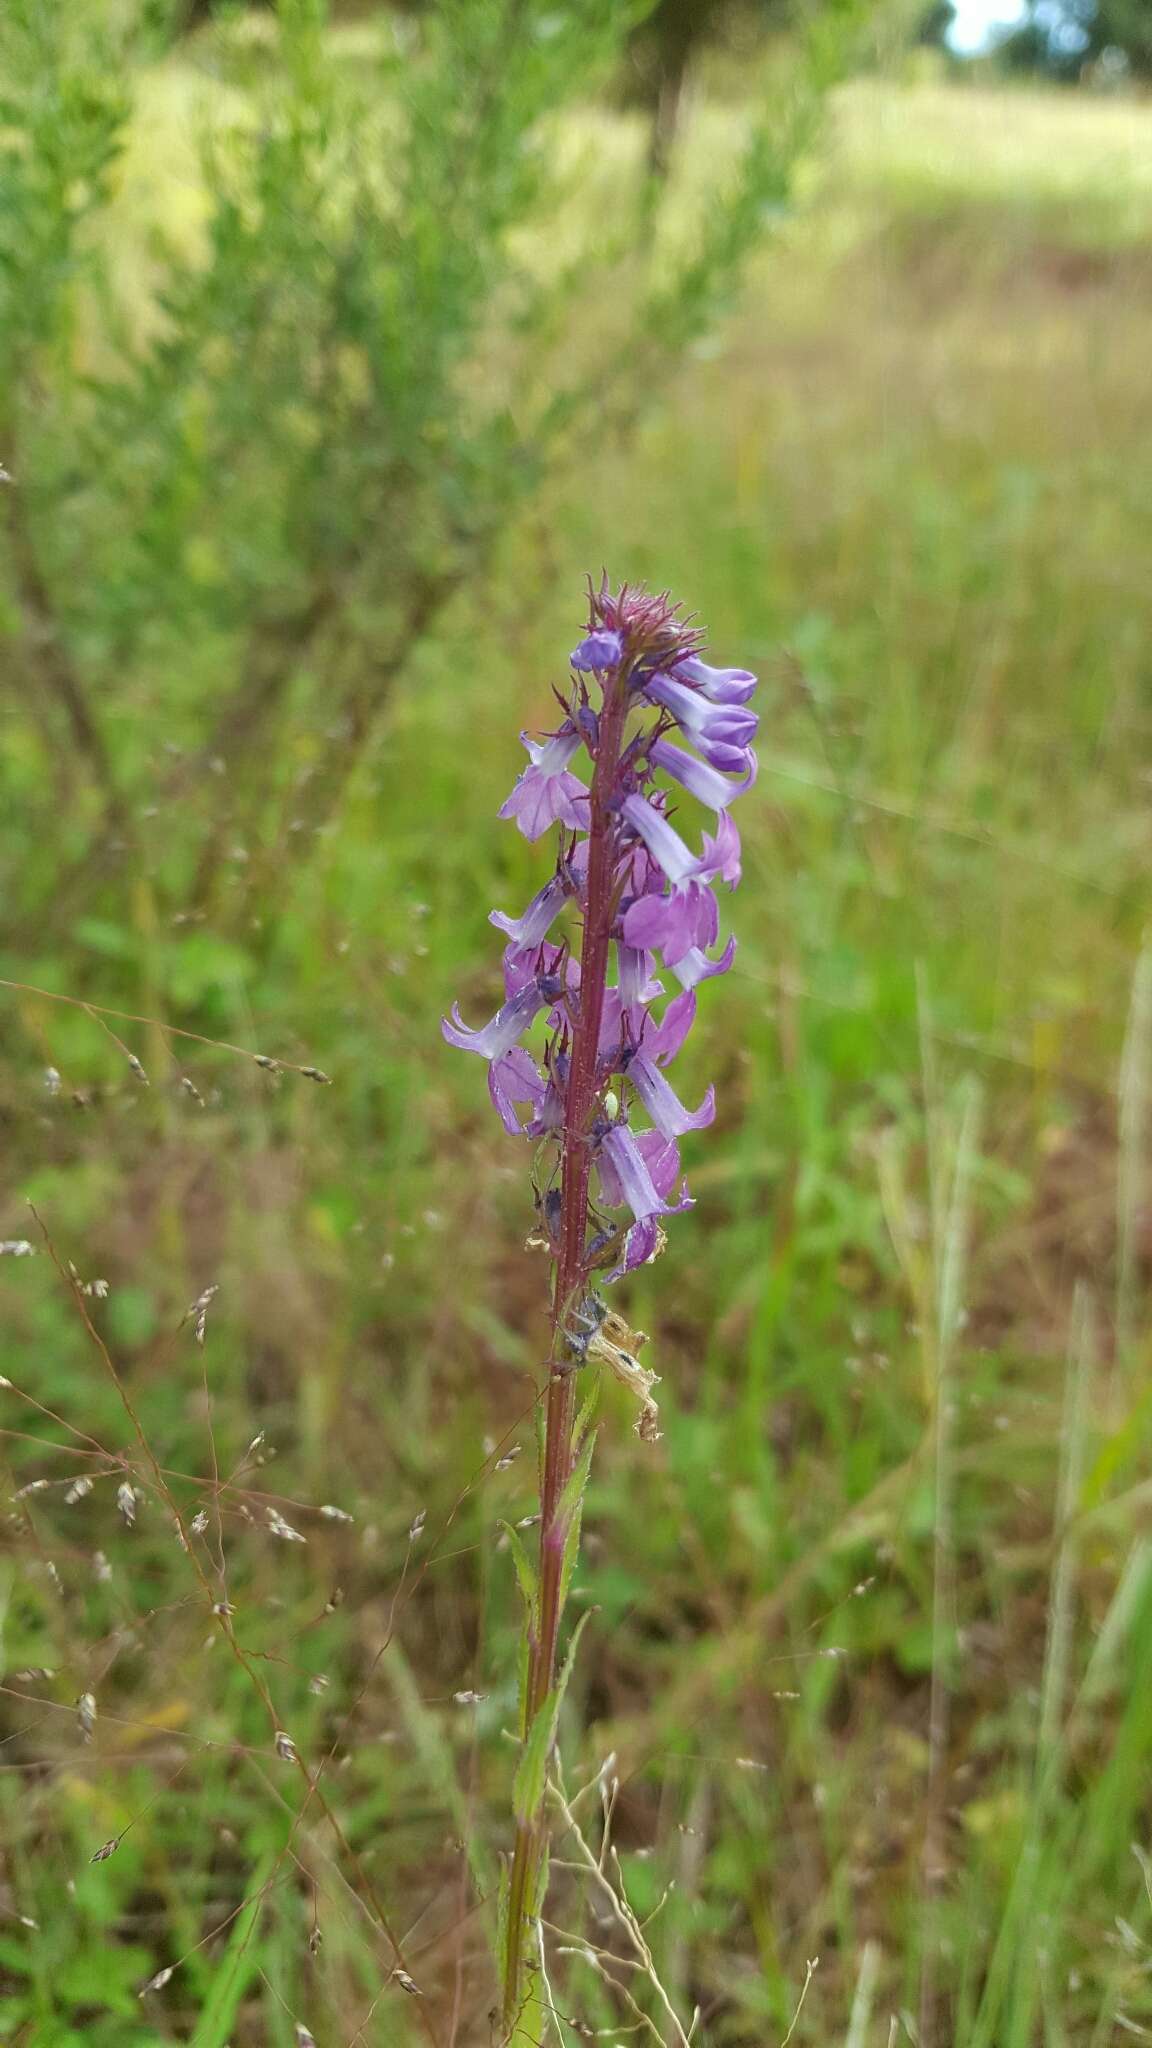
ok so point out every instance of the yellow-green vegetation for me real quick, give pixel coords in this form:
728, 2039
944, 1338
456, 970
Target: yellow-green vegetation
870, 1633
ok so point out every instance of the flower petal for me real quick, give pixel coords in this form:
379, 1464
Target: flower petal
663, 1041
673, 924
553, 754
719, 685
513, 1078
511, 1020
629, 1180
602, 649
698, 778
662, 840
541, 799
696, 967
722, 852
636, 982
541, 914
706, 723
662, 1159
663, 1104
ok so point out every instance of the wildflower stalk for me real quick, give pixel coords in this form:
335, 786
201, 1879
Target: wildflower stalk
637, 677
569, 1276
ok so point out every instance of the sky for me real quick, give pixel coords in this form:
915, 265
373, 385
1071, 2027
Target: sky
976, 20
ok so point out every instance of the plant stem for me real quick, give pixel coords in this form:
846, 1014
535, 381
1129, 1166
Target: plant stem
569, 1276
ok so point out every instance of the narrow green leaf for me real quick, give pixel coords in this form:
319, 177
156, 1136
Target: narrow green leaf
570, 1657
532, 1770
502, 1890
528, 1785
573, 1493
525, 1570
587, 1407
571, 1549
523, 1673
236, 1971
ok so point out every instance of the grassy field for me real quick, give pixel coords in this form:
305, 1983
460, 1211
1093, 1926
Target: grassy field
871, 1640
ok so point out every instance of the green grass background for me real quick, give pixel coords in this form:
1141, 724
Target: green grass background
902, 1486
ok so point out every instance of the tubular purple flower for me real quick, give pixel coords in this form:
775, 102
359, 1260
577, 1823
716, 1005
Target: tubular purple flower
645, 1240
719, 685
730, 760
698, 778
710, 726
662, 1102
624, 1175
514, 1077
501, 1034
540, 916
601, 650
662, 839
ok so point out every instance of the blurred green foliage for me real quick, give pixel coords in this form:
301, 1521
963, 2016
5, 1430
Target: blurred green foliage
909, 481
292, 323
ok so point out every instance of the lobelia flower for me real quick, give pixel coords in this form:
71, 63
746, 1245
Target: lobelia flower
625, 1167
723, 732
603, 649
698, 778
644, 898
546, 792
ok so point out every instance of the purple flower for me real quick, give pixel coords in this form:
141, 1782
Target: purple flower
509, 1023
645, 1239
662, 1041
662, 839
539, 918
642, 1244
524, 964
685, 917
721, 856
723, 732
601, 650
684, 920
625, 1178
514, 1077
662, 1159
719, 685
696, 967
546, 793
662, 1102
636, 982
621, 1025
698, 778
648, 892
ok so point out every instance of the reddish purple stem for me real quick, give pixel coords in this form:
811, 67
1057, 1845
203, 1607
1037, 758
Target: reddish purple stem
571, 1273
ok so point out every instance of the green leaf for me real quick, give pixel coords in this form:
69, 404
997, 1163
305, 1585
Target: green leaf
586, 1409
528, 1784
570, 1654
238, 1966
573, 1494
525, 1571
532, 1770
